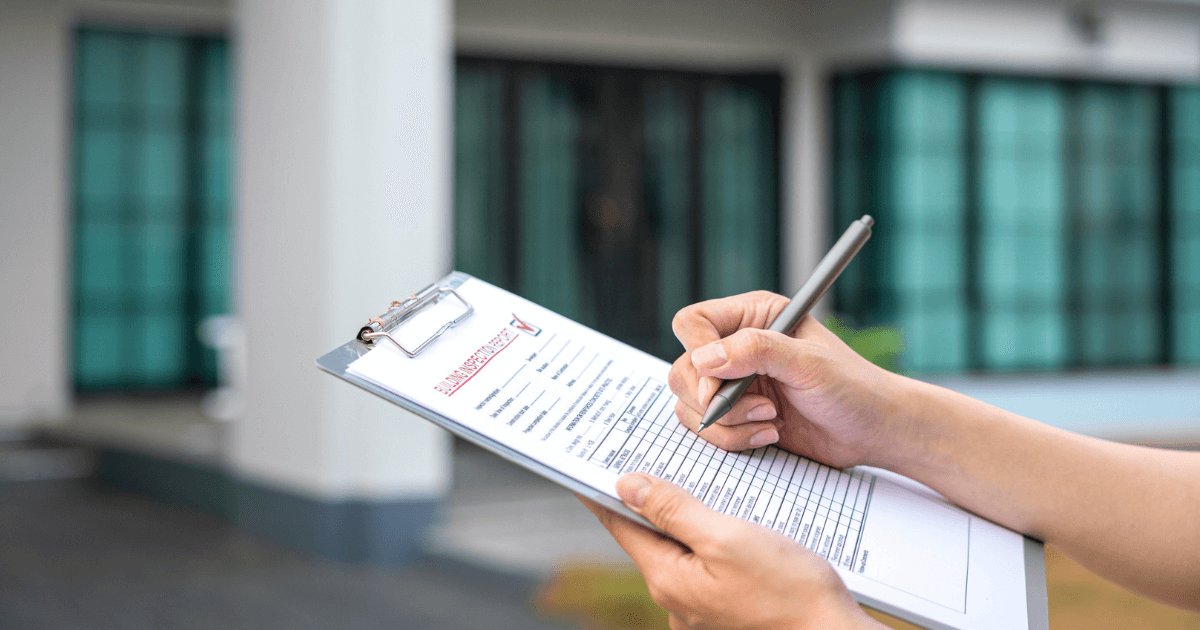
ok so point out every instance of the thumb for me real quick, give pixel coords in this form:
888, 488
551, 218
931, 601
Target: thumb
752, 351
669, 508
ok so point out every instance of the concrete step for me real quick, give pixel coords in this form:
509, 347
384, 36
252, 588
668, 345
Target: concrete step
33, 460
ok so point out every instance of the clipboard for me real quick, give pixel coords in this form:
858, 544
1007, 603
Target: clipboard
382, 329
379, 329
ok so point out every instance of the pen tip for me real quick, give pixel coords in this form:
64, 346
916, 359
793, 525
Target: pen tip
717, 408
867, 220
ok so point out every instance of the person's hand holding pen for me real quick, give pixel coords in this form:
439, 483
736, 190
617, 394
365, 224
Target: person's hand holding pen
815, 396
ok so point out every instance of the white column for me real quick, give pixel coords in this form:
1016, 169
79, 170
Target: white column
34, 283
344, 204
805, 220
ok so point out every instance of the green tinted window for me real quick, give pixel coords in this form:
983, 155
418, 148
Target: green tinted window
899, 157
1184, 243
1115, 165
1019, 232
616, 197
151, 207
1023, 223
738, 172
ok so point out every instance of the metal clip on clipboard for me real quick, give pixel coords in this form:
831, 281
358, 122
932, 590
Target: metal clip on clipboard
400, 312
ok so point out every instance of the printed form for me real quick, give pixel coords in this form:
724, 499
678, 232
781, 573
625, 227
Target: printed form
595, 409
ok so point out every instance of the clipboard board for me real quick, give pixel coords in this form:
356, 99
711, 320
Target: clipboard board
382, 329
378, 330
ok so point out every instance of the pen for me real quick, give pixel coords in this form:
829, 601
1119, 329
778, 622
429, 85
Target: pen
827, 271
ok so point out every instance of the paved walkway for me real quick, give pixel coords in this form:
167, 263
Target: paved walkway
505, 518
74, 555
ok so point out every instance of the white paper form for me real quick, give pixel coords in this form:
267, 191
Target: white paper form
594, 409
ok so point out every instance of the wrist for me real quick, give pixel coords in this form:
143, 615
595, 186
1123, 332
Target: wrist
929, 428
907, 418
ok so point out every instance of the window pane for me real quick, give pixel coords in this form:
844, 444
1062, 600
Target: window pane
1059, 185
740, 235
549, 201
103, 62
479, 195
1116, 278
151, 203
1020, 206
163, 73
900, 142
99, 254
1184, 134
160, 342
935, 334
161, 168
851, 195
594, 191
99, 353
668, 200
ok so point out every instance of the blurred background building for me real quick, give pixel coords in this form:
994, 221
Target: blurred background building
1034, 169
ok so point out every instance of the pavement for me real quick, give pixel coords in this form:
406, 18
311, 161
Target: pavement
77, 554
507, 519
74, 554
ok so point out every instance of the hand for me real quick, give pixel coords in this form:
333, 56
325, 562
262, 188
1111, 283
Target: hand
724, 572
814, 396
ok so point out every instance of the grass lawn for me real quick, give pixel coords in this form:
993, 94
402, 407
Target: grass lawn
615, 598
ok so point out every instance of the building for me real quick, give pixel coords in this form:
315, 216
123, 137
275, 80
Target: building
301, 165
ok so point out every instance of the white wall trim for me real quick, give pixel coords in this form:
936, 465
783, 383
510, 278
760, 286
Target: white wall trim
208, 16
615, 48
1147, 42
670, 33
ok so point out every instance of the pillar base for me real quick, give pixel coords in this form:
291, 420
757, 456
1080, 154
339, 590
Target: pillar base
378, 532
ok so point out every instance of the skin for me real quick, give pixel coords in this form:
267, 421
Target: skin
1131, 514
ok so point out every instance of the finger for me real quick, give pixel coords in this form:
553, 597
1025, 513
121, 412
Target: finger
675, 623
731, 438
754, 351
689, 386
653, 553
705, 388
672, 509
810, 328
592, 506
749, 408
683, 381
662, 561
710, 320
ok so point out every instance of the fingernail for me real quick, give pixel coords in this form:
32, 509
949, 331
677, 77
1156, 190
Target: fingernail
633, 489
704, 390
710, 356
764, 437
764, 411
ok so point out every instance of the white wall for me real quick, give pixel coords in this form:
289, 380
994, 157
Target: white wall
1137, 40
189, 15
689, 33
33, 228
343, 205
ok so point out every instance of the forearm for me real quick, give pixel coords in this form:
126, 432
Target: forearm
1131, 514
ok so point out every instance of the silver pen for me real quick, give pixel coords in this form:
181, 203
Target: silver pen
827, 271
